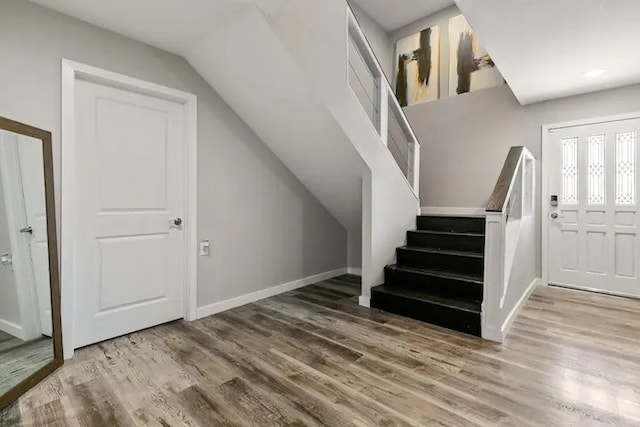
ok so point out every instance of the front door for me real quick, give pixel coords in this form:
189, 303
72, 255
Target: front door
593, 224
129, 244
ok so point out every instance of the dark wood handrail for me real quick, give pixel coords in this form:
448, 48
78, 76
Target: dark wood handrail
498, 198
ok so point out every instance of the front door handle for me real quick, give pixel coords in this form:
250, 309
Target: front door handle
177, 222
554, 215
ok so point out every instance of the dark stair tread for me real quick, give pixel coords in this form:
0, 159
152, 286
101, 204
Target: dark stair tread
453, 303
448, 233
445, 274
443, 251
464, 224
450, 216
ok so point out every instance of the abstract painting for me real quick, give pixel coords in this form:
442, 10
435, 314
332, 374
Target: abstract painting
417, 67
470, 66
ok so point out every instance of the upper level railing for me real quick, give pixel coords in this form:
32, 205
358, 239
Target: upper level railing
371, 87
510, 204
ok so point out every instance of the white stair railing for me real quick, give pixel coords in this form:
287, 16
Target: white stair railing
509, 216
371, 87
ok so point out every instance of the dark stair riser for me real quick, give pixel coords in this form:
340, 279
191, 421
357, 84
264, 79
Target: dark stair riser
433, 284
451, 224
473, 266
460, 242
448, 317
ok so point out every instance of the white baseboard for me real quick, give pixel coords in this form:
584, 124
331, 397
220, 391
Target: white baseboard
12, 329
452, 211
221, 306
506, 326
354, 271
364, 301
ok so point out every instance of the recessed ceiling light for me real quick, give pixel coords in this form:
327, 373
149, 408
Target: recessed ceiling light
594, 73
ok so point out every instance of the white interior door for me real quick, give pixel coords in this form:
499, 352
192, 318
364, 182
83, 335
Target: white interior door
129, 245
593, 231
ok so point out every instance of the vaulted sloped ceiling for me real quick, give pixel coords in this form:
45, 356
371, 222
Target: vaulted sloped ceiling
278, 105
172, 25
549, 49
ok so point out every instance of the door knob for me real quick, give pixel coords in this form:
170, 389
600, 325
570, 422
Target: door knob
177, 222
28, 230
554, 215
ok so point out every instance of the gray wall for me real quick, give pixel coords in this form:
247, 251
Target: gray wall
465, 139
265, 227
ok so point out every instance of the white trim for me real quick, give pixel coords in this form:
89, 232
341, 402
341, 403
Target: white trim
13, 329
547, 130
511, 317
355, 271
218, 307
592, 121
593, 290
493, 334
72, 71
364, 301
452, 211
544, 208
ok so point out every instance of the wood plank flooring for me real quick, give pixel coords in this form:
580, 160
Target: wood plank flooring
314, 357
7, 342
20, 359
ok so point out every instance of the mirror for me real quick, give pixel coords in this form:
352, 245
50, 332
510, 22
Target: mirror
30, 334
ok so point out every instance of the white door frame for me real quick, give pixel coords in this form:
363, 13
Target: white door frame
547, 130
71, 72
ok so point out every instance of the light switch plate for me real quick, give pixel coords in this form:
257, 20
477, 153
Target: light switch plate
205, 248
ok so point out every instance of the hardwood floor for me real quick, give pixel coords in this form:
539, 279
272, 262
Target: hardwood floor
314, 357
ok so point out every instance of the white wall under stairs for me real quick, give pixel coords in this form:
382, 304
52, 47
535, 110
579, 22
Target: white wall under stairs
286, 75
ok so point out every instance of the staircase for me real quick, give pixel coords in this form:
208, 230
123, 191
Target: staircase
438, 277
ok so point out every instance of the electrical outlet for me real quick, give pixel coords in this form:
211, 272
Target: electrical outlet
205, 248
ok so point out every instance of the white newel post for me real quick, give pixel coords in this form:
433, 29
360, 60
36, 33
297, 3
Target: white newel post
493, 276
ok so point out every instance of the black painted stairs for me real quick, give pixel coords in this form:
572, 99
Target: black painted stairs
439, 274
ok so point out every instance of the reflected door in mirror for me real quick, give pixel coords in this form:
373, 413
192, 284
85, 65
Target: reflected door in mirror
26, 330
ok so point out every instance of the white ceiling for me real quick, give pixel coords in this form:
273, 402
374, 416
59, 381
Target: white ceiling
172, 25
394, 14
544, 48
